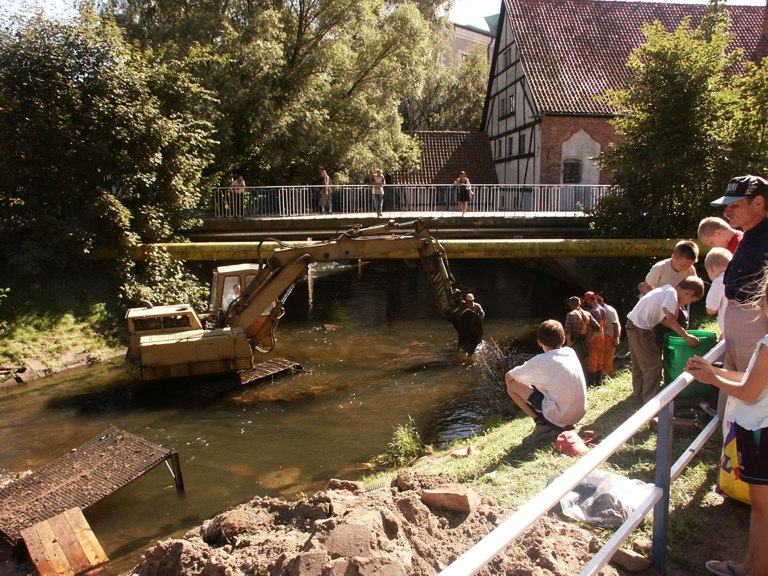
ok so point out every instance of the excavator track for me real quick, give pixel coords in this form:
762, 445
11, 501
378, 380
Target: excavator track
214, 387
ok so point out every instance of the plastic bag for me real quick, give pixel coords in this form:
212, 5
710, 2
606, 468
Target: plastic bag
728, 481
604, 499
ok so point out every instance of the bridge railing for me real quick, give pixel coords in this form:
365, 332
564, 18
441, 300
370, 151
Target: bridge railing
657, 500
254, 201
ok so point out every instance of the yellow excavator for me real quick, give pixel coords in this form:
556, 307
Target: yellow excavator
247, 302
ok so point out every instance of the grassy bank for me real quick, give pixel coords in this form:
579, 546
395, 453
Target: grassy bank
511, 473
42, 326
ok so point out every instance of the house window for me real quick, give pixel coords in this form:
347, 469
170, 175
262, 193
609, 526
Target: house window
512, 107
521, 144
507, 58
510, 145
502, 107
498, 148
572, 171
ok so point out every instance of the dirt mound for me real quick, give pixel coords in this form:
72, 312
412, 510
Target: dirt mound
347, 531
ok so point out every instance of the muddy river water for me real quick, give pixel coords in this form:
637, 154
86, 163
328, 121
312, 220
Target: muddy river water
377, 353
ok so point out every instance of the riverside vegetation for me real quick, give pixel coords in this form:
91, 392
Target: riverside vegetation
703, 524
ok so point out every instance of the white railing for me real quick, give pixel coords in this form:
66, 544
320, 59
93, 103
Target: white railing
663, 404
255, 201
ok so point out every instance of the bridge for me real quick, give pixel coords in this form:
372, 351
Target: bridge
495, 211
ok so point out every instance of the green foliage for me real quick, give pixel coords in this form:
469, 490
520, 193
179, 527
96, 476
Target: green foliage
160, 279
406, 445
48, 321
748, 129
101, 144
3, 295
677, 118
300, 85
453, 94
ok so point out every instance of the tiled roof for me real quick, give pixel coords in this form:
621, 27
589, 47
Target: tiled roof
572, 50
445, 154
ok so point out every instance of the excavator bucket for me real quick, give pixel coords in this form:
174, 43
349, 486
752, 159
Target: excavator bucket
470, 329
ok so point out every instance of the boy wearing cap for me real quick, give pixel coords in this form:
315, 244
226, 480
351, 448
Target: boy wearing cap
550, 387
611, 335
595, 341
659, 306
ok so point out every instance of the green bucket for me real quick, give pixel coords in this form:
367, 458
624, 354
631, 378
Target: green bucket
676, 354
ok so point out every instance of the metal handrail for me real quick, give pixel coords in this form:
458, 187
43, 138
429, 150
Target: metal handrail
662, 404
255, 201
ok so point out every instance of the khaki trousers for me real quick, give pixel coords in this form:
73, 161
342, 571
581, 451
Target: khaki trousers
647, 363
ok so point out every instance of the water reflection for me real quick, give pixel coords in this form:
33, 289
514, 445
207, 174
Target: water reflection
377, 353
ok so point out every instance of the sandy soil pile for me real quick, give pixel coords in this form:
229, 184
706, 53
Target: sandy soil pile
346, 531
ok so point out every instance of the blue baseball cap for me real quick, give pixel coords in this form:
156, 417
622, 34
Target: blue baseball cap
742, 187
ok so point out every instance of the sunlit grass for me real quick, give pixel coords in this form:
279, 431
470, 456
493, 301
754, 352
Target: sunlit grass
43, 325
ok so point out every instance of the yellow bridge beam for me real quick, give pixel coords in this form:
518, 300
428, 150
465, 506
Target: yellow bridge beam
492, 248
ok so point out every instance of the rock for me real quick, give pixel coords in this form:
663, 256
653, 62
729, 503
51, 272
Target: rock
348, 540
349, 485
307, 564
453, 497
630, 561
642, 545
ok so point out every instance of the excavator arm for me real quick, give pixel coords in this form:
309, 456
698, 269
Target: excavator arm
260, 306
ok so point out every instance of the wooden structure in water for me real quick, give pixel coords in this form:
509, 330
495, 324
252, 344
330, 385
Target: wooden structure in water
79, 479
63, 545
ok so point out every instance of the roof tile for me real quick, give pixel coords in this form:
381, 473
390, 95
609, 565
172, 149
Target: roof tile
445, 154
572, 50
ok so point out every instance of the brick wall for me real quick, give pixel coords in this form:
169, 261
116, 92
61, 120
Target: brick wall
556, 129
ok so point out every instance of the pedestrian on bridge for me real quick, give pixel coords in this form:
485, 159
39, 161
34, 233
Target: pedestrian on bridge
465, 191
325, 202
378, 191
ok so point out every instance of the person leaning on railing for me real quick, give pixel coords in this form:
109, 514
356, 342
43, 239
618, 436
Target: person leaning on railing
748, 397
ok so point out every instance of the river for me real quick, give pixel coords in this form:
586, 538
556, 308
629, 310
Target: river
376, 353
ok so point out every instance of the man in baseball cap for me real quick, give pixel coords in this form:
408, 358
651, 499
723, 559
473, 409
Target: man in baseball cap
745, 206
742, 187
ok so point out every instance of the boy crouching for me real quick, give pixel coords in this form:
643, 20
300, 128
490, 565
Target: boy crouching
550, 387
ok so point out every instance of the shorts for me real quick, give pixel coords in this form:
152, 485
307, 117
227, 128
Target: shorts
752, 449
535, 400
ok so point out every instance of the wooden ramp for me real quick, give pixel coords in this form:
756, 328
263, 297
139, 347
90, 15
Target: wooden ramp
79, 479
63, 545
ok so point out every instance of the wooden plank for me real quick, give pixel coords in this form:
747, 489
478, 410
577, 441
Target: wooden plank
84, 534
52, 558
69, 543
36, 550
63, 545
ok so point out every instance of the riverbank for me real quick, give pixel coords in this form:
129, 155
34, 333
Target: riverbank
385, 525
507, 474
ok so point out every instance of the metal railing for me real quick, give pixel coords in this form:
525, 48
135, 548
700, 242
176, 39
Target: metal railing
662, 404
255, 201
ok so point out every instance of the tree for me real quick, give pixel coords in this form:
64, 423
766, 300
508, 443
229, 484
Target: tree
100, 144
453, 93
670, 119
302, 84
747, 131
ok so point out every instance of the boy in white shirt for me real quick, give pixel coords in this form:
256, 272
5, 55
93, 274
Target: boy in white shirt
550, 387
716, 262
659, 306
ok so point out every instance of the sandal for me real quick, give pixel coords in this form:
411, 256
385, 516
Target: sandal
728, 569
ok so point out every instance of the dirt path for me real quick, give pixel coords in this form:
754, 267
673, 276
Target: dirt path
345, 531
